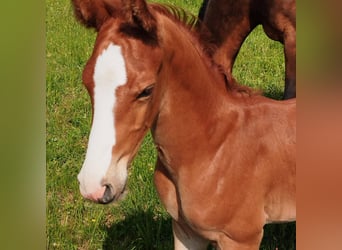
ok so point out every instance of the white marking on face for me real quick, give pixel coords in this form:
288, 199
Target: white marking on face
109, 74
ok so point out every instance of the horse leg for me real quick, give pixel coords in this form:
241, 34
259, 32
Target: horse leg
285, 32
166, 189
202, 10
228, 26
290, 63
225, 243
184, 236
226, 54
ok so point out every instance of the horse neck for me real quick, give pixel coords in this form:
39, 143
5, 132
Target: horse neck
193, 97
187, 69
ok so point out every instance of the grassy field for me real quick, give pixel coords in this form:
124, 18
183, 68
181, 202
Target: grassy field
138, 222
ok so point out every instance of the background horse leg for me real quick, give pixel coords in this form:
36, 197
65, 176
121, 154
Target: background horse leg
282, 28
290, 63
226, 54
228, 26
202, 10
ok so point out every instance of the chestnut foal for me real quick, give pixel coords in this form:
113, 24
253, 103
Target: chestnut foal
226, 157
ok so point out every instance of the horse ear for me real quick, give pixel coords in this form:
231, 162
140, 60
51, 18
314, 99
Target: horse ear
136, 12
93, 13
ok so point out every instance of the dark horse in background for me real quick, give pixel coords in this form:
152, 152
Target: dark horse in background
229, 22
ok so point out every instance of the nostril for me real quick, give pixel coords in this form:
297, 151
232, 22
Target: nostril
108, 195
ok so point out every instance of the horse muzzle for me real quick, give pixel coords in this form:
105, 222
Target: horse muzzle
106, 194
106, 187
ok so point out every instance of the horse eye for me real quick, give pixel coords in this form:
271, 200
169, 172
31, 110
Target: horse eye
146, 92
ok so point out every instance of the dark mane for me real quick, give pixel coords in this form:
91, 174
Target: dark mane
205, 47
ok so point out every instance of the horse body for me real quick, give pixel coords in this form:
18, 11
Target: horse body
226, 160
229, 172
230, 22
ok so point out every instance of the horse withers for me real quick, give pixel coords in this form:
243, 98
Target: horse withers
229, 22
226, 156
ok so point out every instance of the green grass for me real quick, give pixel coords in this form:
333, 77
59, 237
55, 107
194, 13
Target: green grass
260, 64
140, 221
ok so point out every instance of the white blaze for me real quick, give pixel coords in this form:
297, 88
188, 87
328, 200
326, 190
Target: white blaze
109, 74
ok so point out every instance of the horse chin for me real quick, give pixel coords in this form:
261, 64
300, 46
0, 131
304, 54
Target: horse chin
122, 195
112, 196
